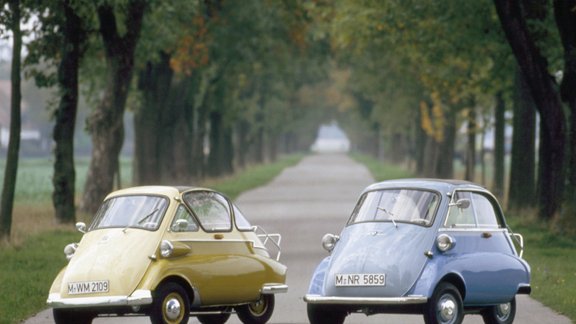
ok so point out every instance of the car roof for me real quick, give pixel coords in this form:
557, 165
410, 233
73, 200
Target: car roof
155, 190
442, 185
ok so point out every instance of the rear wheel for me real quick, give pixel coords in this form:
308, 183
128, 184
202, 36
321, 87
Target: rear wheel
445, 306
66, 316
170, 305
500, 314
325, 314
258, 312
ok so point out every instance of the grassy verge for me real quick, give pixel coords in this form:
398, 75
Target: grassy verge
28, 267
553, 264
551, 256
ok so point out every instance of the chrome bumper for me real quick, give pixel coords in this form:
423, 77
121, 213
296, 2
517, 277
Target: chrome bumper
274, 289
138, 298
408, 300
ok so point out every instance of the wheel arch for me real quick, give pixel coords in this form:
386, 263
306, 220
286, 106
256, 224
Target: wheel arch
457, 281
191, 291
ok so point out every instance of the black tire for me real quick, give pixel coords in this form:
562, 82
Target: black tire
214, 318
445, 306
258, 312
500, 314
170, 305
325, 314
67, 316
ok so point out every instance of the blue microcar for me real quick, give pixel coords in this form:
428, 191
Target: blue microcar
440, 248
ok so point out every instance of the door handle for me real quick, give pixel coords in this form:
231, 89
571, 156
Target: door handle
486, 235
218, 236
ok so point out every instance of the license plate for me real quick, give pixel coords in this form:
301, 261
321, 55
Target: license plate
88, 287
360, 279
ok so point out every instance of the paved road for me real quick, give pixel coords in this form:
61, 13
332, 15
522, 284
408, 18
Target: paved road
303, 203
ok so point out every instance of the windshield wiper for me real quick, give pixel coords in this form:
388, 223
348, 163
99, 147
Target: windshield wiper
141, 219
389, 213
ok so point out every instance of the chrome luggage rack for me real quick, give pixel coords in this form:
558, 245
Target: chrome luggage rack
267, 239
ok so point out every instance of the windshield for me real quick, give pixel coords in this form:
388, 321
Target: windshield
396, 205
131, 211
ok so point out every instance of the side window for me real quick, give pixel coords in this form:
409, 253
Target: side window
183, 221
479, 213
241, 221
211, 209
485, 211
460, 217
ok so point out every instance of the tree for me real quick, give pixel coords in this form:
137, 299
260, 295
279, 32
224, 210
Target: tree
64, 178
106, 123
534, 69
13, 18
566, 23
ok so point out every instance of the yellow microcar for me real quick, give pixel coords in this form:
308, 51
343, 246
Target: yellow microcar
169, 253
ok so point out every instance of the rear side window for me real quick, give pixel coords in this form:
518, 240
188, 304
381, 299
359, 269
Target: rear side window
479, 212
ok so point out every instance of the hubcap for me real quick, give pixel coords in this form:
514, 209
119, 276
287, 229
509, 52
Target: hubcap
447, 309
503, 311
258, 307
173, 309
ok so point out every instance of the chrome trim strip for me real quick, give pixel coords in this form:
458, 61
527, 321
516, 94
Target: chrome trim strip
274, 289
317, 299
139, 297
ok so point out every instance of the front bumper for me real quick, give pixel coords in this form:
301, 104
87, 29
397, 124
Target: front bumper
138, 298
408, 300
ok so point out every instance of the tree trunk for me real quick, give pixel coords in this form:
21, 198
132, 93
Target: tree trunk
106, 123
445, 165
566, 21
534, 68
64, 177
499, 146
523, 165
11, 170
154, 83
471, 147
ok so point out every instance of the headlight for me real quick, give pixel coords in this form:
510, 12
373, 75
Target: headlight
329, 241
166, 248
70, 249
445, 242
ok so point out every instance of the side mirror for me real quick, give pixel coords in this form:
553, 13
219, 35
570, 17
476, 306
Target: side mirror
181, 225
461, 203
81, 227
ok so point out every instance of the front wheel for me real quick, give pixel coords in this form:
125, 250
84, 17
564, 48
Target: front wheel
66, 316
170, 305
500, 314
445, 306
325, 314
258, 312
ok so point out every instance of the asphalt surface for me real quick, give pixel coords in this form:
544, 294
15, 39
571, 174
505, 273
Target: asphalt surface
303, 203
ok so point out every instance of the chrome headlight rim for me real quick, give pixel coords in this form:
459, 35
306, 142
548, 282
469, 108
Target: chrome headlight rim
445, 242
329, 241
166, 248
70, 250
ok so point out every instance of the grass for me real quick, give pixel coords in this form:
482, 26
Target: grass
550, 255
35, 255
